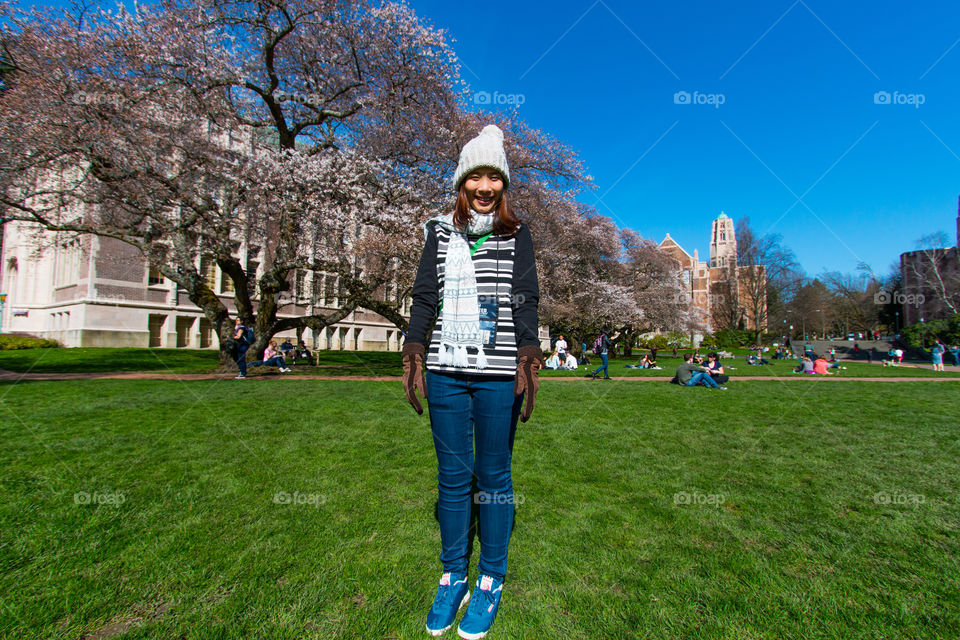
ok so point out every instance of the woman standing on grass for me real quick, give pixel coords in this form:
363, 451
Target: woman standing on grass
477, 272
937, 355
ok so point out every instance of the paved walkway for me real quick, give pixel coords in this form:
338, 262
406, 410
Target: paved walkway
12, 376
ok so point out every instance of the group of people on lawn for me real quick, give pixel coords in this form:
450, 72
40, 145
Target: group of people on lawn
273, 355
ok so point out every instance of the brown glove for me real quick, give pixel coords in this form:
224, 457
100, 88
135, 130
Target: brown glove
527, 380
413, 379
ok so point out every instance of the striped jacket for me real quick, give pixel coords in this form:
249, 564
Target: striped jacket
505, 270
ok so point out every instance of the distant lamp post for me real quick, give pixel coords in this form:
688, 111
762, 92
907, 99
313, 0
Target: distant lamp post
923, 342
898, 321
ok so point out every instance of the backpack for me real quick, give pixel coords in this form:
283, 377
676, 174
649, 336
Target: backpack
598, 345
248, 336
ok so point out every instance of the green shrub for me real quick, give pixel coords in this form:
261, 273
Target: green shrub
10, 342
947, 329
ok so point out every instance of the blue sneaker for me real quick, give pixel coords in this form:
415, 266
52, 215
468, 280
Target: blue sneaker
452, 594
483, 610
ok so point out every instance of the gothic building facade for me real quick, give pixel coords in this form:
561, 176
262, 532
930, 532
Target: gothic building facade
719, 289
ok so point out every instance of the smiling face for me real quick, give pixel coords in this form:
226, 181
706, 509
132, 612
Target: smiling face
484, 187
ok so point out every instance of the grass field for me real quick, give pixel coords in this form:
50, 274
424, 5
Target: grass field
170, 509
373, 363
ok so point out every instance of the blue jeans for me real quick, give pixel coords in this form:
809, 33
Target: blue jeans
275, 361
242, 358
705, 378
605, 367
465, 408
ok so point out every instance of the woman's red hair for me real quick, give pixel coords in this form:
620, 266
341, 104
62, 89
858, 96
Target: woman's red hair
505, 221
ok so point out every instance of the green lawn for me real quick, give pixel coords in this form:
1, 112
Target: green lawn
738, 367
773, 510
371, 363
99, 360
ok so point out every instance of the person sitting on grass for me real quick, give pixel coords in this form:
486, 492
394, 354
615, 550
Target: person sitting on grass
821, 366
272, 358
756, 359
286, 348
302, 352
690, 374
805, 366
716, 369
571, 362
553, 362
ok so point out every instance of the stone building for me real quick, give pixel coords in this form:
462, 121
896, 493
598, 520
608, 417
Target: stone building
717, 287
89, 291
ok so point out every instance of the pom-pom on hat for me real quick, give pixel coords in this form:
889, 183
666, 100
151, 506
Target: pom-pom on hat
486, 150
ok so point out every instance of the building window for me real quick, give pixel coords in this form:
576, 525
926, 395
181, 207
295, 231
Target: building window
329, 290
154, 277
67, 264
208, 272
226, 283
299, 285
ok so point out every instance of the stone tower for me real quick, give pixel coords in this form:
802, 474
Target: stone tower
723, 242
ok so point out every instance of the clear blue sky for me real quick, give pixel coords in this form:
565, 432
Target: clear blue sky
799, 144
798, 119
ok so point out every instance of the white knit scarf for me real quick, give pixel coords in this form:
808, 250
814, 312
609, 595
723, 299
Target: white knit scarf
461, 308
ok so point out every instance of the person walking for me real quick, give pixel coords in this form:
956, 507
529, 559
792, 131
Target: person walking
605, 347
241, 339
478, 277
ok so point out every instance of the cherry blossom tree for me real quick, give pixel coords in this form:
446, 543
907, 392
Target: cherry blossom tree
283, 135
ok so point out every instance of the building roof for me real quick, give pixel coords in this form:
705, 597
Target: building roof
670, 242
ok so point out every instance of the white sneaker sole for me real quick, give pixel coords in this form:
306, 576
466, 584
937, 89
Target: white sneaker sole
440, 632
470, 636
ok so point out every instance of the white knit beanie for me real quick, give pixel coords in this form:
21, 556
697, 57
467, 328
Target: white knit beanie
486, 150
